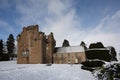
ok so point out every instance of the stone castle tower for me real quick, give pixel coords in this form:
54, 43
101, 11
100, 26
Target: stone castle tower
34, 46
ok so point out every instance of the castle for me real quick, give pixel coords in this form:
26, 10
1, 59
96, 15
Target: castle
36, 47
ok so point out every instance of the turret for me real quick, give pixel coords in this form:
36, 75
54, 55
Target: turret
50, 48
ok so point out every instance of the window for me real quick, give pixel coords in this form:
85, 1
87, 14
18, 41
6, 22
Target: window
25, 53
35, 39
48, 48
68, 55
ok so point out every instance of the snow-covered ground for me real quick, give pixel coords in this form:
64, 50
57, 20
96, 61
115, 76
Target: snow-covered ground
9, 70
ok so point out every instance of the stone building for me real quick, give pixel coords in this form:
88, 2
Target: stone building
35, 47
70, 55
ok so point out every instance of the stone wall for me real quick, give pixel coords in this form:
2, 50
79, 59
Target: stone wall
30, 45
69, 58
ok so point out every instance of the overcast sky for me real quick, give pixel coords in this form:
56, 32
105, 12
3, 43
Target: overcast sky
90, 21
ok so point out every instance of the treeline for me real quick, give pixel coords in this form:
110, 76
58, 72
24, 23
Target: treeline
7, 49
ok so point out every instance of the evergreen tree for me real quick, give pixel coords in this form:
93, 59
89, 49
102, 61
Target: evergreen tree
96, 45
92, 45
83, 44
65, 43
109, 72
10, 46
99, 45
113, 53
1, 47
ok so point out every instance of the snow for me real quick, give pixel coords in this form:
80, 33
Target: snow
70, 49
10, 70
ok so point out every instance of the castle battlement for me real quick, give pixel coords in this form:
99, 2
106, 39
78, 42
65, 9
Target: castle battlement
32, 27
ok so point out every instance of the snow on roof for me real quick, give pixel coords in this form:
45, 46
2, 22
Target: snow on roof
70, 49
106, 48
